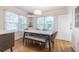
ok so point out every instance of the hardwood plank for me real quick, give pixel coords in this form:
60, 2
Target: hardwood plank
59, 46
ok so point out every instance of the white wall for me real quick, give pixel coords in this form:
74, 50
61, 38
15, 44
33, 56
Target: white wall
55, 23
18, 35
65, 26
55, 12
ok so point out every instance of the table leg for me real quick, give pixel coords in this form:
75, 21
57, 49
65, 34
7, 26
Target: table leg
23, 38
11, 49
49, 45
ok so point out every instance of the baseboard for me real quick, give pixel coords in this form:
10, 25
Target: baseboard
19, 38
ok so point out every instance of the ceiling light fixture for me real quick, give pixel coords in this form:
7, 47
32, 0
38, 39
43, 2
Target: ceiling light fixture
38, 12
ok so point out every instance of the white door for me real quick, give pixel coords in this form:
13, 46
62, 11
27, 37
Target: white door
65, 25
64, 32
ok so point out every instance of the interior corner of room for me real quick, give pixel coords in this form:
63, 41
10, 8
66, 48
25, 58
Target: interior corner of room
19, 18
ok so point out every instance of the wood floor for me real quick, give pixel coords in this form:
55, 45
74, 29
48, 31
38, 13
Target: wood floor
59, 46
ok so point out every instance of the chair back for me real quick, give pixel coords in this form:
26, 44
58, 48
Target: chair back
53, 36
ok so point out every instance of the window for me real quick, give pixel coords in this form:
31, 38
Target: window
22, 23
11, 20
14, 22
40, 23
45, 23
49, 23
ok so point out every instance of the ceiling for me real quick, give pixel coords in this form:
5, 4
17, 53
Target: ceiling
30, 9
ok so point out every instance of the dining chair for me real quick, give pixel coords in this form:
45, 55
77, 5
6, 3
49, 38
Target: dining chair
53, 36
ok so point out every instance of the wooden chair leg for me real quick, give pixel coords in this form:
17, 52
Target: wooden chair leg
26, 42
11, 49
45, 44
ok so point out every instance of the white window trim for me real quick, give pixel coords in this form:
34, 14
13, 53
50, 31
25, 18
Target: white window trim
16, 24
